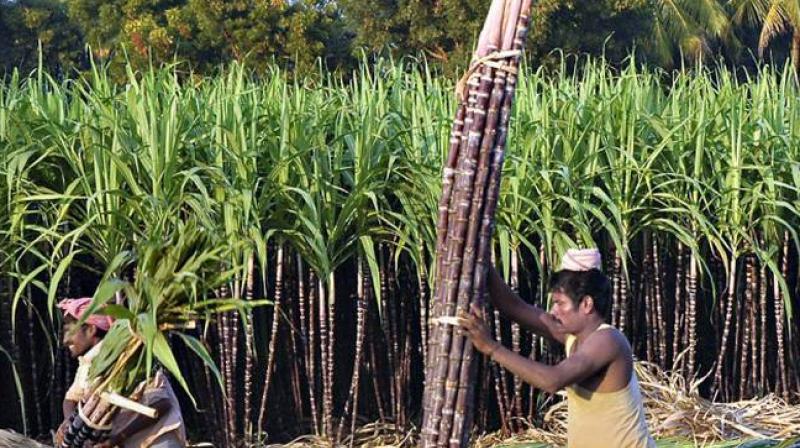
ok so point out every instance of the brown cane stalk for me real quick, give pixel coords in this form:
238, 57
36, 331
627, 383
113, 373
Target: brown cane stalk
465, 282
723, 346
780, 321
37, 404
424, 319
362, 288
662, 330
313, 298
327, 399
249, 348
746, 334
678, 315
691, 318
489, 39
276, 312
619, 271
762, 298
516, 334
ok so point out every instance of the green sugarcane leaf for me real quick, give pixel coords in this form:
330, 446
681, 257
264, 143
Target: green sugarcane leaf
18, 386
20, 289
164, 354
148, 330
117, 312
368, 246
200, 350
55, 280
107, 289
114, 344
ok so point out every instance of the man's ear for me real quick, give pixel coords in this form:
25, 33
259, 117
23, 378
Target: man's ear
90, 330
587, 304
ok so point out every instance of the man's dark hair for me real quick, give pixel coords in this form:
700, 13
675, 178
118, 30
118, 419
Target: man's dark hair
578, 284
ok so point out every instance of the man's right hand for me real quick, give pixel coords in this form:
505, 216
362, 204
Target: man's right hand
60, 432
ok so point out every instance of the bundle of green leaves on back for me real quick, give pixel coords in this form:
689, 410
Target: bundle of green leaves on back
175, 278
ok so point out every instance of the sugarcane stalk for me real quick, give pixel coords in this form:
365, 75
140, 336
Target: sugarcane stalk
424, 318
678, 311
249, 348
723, 346
465, 283
781, 375
37, 404
746, 335
623, 290
457, 231
445, 226
691, 294
763, 284
662, 331
331, 353
276, 312
313, 297
327, 400
352, 396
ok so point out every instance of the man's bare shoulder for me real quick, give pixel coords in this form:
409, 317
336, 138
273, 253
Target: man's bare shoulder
609, 340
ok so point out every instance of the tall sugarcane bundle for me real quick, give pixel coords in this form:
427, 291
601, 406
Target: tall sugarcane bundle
175, 272
470, 188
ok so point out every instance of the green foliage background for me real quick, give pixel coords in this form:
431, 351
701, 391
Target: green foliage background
298, 34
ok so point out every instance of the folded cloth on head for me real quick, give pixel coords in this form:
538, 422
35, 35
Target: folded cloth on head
582, 260
76, 308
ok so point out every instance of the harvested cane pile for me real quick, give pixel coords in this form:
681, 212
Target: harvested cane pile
470, 186
675, 410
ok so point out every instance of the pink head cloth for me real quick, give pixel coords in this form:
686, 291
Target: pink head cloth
582, 260
76, 308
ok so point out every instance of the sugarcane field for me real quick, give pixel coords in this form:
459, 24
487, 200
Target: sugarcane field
450, 223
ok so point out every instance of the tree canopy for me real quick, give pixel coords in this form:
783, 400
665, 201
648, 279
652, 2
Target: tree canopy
296, 34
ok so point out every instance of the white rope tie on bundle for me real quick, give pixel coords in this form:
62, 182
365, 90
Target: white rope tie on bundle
490, 60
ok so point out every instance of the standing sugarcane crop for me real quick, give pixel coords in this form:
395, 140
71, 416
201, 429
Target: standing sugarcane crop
470, 190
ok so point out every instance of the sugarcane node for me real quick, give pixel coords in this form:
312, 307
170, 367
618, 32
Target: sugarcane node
88, 422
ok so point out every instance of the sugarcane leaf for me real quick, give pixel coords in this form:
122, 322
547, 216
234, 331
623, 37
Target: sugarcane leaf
368, 246
117, 312
200, 350
107, 289
65, 263
18, 386
114, 344
147, 328
20, 289
164, 354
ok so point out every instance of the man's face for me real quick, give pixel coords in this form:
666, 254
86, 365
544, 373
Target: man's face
78, 339
570, 317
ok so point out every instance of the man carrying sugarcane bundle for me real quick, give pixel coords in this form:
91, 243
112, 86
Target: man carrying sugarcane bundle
603, 398
128, 429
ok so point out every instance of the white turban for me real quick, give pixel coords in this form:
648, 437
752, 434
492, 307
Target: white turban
581, 260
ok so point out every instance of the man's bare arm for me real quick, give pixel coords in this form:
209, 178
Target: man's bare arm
512, 306
596, 353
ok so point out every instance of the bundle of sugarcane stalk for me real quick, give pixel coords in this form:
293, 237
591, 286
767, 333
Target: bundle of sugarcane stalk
470, 187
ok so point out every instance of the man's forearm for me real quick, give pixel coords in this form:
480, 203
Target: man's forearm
534, 373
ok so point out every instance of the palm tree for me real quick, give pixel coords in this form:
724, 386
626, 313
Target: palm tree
688, 28
774, 17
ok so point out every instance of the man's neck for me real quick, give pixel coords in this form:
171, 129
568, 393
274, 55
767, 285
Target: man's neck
590, 328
